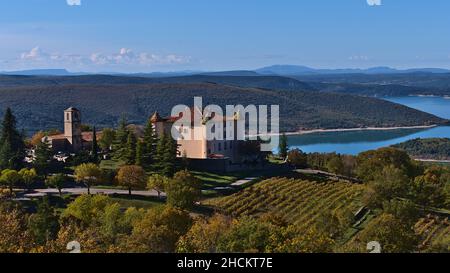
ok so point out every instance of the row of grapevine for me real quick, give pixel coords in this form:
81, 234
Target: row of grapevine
297, 201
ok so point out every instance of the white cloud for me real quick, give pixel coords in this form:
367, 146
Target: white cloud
127, 56
34, 54
124, 58
359, 58
374, 2
74, 2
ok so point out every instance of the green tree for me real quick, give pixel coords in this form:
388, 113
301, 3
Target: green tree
393, 235
183, 190
120, 141
149, 145
166, 155
372, 163
389, 184
89, 174
283, 146
140, 151
12, 146
297, 158
10, 178
130, 154
158, 183
94, 149
131, 177
159, 230
43, 158
107, 139
43, 225
28, 176
335, 165
57, 181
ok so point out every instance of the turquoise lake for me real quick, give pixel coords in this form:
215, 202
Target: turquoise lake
354, 142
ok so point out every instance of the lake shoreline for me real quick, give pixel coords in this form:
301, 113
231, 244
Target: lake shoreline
313, 131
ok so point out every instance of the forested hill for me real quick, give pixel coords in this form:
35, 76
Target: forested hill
265, 82
429, 148
40, 107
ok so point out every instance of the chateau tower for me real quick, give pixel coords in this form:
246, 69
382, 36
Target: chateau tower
72, 128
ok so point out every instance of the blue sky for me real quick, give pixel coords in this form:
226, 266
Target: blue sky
170, 35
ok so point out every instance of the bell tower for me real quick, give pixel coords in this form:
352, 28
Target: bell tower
72, 128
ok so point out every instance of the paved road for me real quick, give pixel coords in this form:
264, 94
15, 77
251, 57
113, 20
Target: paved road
80, 191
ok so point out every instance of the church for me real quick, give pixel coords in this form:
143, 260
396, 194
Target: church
73, 140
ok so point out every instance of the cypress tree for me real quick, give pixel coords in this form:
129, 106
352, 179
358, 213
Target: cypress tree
149, 145
94, 152
140, 149
120, 142
283, 147
167, 155
12, 146
130, 152
43, 158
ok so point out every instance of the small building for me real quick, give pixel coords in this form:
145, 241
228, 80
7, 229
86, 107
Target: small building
73, 139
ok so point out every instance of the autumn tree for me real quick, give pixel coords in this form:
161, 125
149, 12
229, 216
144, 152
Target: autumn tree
89, 174
158, 183
159, 230
390, 183
372, 163
394, 235
57, 181
335, 165
204, 235
183, 190
14, 236
37, 138
28, 177
10, 178
131, 177
297, 158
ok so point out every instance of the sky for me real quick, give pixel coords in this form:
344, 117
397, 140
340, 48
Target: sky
212, 35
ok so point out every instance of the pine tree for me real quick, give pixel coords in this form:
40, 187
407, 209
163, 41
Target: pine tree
130, 150
149, 145
167, 156
120, 142
12, 146
43, 159
94, 152
140, 149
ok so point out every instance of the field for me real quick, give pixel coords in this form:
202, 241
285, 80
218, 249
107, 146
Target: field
297, 201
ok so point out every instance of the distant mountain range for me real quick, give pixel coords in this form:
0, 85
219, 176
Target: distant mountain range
281, 70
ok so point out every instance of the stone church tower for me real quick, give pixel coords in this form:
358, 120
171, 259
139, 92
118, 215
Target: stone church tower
72, 128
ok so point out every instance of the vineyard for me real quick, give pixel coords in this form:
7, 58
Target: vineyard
297, 201
433, 230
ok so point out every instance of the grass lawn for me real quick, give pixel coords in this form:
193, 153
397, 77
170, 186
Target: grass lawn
110, 164
138, 202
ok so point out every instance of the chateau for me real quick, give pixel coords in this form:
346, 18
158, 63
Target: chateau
201, 148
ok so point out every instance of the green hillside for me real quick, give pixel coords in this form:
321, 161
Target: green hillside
40, 105
430, 148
